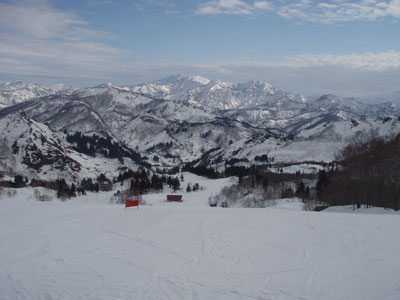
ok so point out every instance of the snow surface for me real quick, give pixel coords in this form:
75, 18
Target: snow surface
87, 248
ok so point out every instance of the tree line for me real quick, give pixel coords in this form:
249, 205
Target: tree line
262, 188
148, 182
368, 175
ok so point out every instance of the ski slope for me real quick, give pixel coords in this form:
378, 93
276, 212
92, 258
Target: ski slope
86, 249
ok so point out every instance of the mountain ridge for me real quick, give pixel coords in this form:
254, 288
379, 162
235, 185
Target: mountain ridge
14, 92
212, 122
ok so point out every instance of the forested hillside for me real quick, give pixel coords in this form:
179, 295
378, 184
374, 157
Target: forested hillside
369, 175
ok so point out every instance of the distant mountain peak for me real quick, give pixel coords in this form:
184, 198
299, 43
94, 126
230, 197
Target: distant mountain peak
15, 92
17, 83
215, 94
183, 78
109, 85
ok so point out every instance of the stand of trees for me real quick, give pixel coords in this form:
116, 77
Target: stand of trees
148, 182
96, 145
369, 175
208, 172
262, 188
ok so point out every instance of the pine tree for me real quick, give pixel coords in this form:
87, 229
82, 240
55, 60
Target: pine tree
73, 190
19, 181
176, 184
300, 192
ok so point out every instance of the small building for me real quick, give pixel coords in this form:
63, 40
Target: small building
174, 198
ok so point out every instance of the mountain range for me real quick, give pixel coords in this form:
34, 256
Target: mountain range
183, 120
17, 91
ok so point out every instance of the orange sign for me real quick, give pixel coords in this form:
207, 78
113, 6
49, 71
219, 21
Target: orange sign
130, 203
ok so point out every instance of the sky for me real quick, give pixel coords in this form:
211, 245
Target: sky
350, 48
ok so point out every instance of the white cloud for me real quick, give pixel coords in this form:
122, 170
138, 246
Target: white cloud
392, 8
36, 38
262, 5
367, 61
232, 7
343, 11
39, 20
327, 12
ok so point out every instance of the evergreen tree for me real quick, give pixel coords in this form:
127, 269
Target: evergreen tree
73, 190
176, 184
322, 181
307, 193
19, 181
300, 192
265, 182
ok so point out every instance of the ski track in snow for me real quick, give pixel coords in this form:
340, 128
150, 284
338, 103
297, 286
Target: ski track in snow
89, 249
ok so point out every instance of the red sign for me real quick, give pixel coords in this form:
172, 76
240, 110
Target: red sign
130, 203
174, 197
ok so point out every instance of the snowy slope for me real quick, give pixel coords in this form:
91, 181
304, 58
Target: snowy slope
87, 249
188, 130
31, 149
280, 114
319, 139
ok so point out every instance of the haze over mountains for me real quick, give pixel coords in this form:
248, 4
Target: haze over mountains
183, 119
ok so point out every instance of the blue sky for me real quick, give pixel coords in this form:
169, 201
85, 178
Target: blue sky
310, 47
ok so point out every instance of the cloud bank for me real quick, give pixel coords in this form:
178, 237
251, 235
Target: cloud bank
306, 10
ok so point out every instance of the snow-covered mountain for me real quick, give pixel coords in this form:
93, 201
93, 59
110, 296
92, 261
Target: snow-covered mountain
32, 149
256, 102
168, 132
183, 119
393, 97
352, 105
17, 91
215, 94
317, 140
